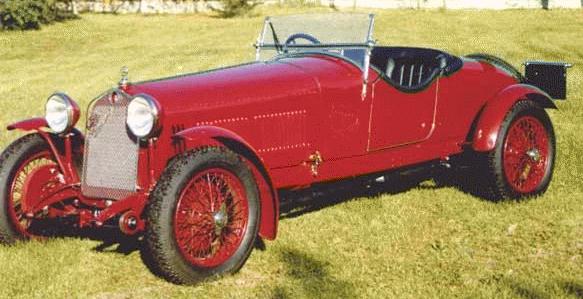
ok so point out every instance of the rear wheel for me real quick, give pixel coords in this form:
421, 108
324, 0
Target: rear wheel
27, 171
202, 217
521, 164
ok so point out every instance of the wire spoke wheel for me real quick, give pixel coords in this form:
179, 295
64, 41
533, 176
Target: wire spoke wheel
211, 217
521, 164
34, 177
202, 217
526, 154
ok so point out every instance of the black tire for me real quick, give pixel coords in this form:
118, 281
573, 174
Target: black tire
494, 181
161, 252
10, 160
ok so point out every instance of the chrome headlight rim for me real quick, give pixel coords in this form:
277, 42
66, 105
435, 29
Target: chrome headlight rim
71, 109
154, 111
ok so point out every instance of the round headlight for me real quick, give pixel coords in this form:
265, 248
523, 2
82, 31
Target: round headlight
61, 113
143, 116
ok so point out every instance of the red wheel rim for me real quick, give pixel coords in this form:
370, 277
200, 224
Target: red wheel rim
526, 154
211, 217
30, 181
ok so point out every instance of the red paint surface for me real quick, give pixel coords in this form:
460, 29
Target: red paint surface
29, 124
495, 110
277, 114
288, 109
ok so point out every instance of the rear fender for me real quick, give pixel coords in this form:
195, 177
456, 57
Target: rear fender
214, 136
493, 113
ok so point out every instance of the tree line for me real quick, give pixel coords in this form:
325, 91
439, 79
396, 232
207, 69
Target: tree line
33, 14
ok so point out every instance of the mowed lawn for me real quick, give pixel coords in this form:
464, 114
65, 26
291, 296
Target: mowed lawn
425, 242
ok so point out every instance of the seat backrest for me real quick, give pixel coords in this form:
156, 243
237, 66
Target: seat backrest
408, 69
412, 69
407, 73
405, 66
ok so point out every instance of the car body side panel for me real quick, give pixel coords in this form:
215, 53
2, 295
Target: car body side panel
270, 111
460, 98
341, 114
399, 118
377, 161
287, 109
463, 95
293, 107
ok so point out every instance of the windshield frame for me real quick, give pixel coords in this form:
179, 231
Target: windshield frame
283, 49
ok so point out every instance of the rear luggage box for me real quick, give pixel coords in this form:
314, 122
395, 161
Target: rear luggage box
551, 77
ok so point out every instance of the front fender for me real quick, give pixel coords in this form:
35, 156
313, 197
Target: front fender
493, 113
215, 136
33, 124
39, 123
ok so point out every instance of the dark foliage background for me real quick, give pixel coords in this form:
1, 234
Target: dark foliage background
233, 8
32, 14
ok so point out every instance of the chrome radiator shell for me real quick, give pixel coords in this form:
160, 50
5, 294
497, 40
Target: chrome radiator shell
110, 163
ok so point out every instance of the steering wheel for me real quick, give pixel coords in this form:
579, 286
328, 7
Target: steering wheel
291, 40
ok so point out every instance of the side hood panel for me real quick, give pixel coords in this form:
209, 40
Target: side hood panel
229, 87
273, 106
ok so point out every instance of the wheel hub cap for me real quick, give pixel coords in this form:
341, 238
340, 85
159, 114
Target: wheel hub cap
533, 154
221, 219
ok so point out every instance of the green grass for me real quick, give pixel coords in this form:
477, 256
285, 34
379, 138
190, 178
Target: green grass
426, 242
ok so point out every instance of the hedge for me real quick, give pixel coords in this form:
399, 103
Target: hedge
31, 14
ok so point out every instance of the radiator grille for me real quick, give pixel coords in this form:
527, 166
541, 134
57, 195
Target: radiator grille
111, 153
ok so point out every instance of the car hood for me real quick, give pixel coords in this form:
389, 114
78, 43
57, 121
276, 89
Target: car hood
228, 87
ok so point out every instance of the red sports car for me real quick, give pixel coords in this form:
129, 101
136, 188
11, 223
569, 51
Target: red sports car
195, 163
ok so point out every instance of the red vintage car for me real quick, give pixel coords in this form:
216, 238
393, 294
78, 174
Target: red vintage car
195, 163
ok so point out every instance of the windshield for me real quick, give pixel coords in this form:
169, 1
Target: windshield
346, 34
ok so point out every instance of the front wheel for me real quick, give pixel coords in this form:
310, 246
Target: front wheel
28, 170
202, 218
521, 164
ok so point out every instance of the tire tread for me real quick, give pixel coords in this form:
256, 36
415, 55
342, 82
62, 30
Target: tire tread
155, 253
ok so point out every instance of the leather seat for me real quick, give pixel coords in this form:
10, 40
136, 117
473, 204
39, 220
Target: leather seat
407, 69
407, 73
412, 69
